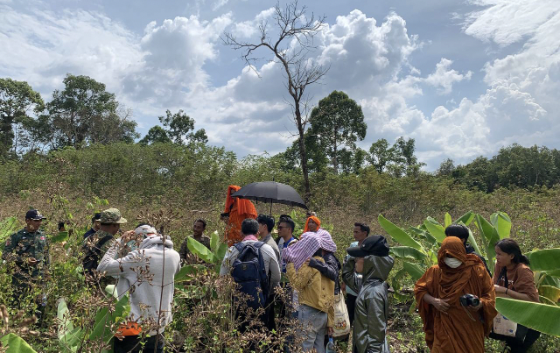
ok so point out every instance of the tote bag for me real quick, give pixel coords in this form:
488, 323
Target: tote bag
341, 319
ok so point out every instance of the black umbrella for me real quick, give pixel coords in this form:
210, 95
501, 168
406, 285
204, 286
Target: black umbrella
271, 192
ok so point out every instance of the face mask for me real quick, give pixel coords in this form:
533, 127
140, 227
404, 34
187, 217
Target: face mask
452, 262
132, 245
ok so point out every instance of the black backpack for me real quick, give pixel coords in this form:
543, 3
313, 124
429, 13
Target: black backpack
249, 273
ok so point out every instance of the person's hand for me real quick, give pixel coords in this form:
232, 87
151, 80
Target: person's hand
330, 331
343, 287
32, 261
441, 305
499, 289
127, 236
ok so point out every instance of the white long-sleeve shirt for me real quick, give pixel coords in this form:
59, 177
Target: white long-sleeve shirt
143, 269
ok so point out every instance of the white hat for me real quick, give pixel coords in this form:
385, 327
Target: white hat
145, 230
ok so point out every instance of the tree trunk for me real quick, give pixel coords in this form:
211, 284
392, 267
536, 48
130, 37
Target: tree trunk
334, 159
302, 153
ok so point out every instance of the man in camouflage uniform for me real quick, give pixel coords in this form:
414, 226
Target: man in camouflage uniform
28, 249
97, 244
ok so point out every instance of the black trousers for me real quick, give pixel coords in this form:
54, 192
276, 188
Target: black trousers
351, 305
523, 346
132, 344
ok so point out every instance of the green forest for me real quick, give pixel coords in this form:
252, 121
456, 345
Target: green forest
80, 153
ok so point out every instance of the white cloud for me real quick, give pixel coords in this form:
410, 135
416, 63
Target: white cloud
444, 78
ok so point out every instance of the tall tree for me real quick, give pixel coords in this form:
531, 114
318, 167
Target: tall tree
84, 112
156, 134
380, 155
338, 121
290, 46
17, 101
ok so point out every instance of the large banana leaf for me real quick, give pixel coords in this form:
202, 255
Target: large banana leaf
473, 243
422, 233
545, 260
398, 234
104, 319
214, 241
13, 343
435, 229
550, 292
540, 317
489, 236
68, 335
502, 223
448, 220
466, 219
200, 250
408, 252
414, 270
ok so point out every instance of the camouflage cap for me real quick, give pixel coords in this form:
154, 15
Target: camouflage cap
112, 216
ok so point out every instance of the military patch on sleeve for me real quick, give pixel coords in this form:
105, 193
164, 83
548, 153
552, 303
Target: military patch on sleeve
42, 238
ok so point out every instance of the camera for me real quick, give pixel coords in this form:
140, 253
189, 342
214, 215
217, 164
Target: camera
469, 300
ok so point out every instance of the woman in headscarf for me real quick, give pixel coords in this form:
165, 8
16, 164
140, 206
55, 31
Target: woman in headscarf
451, 327
237, 210
315, 290
312, 224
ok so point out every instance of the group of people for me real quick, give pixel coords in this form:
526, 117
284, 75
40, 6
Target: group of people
303, 268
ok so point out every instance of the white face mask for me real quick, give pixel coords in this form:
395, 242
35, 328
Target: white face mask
452, 262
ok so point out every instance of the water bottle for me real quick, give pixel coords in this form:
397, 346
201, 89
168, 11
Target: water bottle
330, 346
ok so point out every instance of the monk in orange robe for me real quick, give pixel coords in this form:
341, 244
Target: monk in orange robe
449, 326
238, 210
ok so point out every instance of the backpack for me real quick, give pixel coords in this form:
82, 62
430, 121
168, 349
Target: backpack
249, 273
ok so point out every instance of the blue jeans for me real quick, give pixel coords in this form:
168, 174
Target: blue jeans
314, 328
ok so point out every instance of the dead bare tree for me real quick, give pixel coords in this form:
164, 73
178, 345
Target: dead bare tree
292, 26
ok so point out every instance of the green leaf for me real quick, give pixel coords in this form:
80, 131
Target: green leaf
544, 300
423, 233
408, 252
540, 317
435, 229
65, 324
448, 220
71, 341
221, 252
398, 234
185, 273
414, 270
465, 219
545, 260
111, 290
502, 223
473, 243
550, 292
62, 236
7, 227
200, 250
214, 241
12, 343
489, 237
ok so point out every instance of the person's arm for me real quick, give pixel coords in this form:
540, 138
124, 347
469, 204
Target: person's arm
115, 267
300, 279
376, 322
524, 285
349, 275
8, 253
329, 268
225, 269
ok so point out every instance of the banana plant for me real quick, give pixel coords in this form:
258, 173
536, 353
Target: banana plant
491, 232
12, 343
420, 245
540, 317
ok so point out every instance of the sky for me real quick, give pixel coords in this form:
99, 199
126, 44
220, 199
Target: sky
463, 78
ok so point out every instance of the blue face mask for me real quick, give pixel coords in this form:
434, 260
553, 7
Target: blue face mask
132, 245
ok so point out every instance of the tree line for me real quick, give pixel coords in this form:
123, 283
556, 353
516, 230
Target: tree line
84, 114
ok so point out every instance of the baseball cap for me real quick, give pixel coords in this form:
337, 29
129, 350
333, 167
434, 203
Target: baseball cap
372, 246
145, 230
34, 214
112, 216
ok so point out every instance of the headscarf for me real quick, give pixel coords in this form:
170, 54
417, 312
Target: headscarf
454, 280
302, 250
315, 219
244, 206
305, 248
